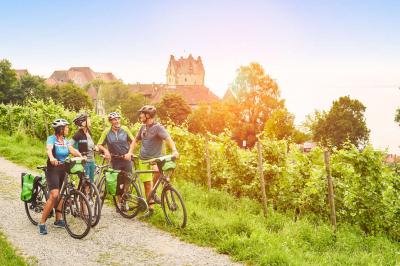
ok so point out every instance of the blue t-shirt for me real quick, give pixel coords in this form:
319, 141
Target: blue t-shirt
61, 150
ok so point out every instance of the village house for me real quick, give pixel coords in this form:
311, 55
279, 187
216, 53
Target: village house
81, 76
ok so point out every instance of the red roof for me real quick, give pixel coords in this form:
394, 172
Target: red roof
193, 94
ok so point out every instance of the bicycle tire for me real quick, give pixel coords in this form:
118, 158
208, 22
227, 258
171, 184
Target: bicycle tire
94, 199
102, 190
133, 197
73, 204
169, 197
37, 204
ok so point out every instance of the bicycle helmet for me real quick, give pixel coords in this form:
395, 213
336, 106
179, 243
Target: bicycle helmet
148, 109
59, 123
80, 119
113, 115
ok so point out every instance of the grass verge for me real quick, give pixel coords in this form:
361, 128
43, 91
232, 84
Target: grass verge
8, 255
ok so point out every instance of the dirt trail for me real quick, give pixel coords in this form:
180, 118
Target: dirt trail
115, 241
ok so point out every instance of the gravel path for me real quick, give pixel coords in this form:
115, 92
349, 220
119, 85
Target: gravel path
115, 241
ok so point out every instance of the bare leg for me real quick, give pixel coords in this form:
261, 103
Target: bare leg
49, 205
147, 188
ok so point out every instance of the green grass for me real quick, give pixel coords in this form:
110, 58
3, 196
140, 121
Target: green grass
22, 150
8, 255
238, 228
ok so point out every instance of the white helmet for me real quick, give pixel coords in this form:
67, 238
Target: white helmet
59, 122
113, 115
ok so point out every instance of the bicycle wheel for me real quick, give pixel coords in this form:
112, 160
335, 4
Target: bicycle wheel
76, 213
101, 187
35, 208
131, 202
93, 196
173, 207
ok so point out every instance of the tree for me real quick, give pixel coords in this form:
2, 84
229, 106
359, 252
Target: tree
345, 121
214, 118
33, 86
71, 96
131, 104
174, 108
10, 91
397, 118
280, 125
257, 97
113, 93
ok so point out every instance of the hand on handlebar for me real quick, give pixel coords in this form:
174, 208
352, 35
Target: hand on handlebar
54, 162
107, 155
128, 156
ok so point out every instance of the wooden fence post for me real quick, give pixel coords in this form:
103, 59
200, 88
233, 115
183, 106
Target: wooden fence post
262, 181
32, 125
208, 164
331, 197
10, 121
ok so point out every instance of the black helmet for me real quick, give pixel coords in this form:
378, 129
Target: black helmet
148, 109
80, 119
59, 122
113, 115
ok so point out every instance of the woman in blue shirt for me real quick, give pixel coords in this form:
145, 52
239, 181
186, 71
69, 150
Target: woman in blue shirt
58, 149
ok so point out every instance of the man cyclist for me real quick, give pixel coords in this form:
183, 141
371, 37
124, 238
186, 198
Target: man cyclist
118, 140
58, 149
151, 135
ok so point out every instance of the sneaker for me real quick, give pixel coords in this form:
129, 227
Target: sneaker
156, 199
59, 224
42, 229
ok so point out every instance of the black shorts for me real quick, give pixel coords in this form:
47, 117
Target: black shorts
123, 165
55, 177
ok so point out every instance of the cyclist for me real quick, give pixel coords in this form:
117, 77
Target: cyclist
83, 141
151, 135
118, 140
58, 149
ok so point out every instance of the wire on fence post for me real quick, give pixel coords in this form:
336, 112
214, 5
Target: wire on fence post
262, 181
208, 164
331, 197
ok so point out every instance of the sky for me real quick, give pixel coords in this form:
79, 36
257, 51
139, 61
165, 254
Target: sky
316, 50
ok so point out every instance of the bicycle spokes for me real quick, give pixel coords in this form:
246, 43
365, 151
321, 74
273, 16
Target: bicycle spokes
173, 207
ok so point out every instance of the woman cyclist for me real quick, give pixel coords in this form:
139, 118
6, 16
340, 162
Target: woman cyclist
58, 149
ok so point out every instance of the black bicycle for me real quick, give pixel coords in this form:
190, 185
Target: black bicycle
76, 209
132, 200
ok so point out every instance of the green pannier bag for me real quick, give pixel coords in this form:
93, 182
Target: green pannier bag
27, 183
169, 165
112, 180
74, 166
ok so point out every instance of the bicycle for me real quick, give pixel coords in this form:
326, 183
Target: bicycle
91, 192
127, 204
132, 200
75, 208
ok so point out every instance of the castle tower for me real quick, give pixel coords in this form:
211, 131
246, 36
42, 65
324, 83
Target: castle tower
185, 71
